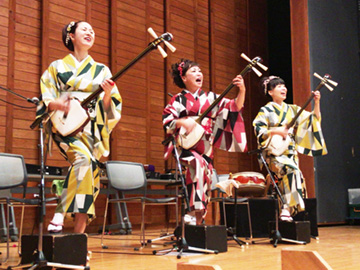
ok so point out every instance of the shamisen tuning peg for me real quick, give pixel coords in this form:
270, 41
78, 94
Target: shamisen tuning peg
326, 81
166, 37
255, 62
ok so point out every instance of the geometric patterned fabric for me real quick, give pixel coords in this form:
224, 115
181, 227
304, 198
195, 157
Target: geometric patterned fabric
224, 129
306, 138
83, 150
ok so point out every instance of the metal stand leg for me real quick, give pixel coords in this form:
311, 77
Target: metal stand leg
124, 214
3, 229
14, 233
232, 230
167, 235
181, 244
275, 235
123, 222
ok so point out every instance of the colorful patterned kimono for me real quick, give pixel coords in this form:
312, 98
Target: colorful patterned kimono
224, 129
307, 139
83, 150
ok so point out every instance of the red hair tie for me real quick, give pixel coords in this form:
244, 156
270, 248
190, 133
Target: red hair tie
180, 68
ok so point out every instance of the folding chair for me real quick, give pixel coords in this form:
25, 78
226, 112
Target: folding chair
129, 177
12, 174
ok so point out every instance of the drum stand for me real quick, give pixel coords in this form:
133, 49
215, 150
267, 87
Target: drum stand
181, 244
232, 230
275, 235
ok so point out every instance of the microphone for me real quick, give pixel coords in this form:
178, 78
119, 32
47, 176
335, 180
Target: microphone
167, 36
33, 100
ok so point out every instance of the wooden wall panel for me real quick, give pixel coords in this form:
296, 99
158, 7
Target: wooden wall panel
10, 76
212, 32
26, 70
4, 25
155, 87
225, 54
131, 40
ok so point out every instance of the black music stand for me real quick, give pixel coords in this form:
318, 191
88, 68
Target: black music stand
181, 244
275, 235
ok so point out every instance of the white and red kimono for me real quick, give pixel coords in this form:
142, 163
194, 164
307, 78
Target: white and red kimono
224, 129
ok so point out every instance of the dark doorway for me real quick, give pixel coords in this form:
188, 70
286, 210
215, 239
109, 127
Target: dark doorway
279, 43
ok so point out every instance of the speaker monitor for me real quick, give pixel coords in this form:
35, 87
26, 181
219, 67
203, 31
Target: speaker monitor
65, 249
211, 237
297, 230
310, 214
262, 211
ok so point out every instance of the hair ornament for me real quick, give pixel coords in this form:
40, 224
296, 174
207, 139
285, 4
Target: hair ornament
68, 29
71, 24
180, 68
266, 82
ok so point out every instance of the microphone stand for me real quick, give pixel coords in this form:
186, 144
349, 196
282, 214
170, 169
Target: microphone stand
33, 100
181, 243
275, 235
40, 261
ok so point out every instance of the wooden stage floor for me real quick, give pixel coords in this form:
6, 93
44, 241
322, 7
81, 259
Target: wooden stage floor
339, 246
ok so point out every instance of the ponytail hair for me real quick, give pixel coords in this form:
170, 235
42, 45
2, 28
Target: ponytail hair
66, 31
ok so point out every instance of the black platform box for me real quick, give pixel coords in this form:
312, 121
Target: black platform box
59, 248
204, 236
296, 230
263, 211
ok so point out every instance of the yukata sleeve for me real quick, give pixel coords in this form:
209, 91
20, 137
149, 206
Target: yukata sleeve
113, 113
106, 120
49, 92
49, 89
229, 128
309, 137
261, 128
170, 115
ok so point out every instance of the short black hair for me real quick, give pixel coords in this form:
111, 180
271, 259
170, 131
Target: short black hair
179, 69
269, 83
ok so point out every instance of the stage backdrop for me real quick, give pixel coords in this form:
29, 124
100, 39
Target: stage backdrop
334, 49
214, 33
